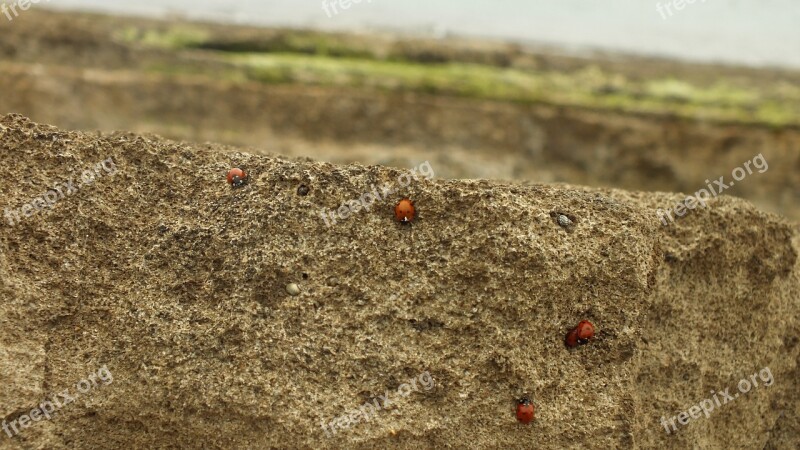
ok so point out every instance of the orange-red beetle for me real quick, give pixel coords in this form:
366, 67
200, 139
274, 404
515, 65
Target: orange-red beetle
525, 410
237, 177
580, 334
585, 331
572, 338
404, 211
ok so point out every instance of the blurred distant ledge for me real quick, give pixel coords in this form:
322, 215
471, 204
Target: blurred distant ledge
487, 70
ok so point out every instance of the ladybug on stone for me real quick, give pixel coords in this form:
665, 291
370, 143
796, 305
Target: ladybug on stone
405, 212
580, 335
525, 410
237, 177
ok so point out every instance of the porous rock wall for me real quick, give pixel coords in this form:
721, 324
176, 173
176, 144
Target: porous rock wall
154, 270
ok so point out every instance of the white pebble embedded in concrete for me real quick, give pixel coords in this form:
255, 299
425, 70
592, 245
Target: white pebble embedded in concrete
564, 221
293, 289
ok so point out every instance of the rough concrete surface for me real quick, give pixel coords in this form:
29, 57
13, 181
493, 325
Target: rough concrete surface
76, 71
176, 283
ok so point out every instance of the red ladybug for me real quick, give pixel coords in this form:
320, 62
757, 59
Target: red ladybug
572, 338
585, 331
525, 410
580, 334
404, 211
237, 177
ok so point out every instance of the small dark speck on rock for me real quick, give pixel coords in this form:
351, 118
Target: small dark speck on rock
302, 190
425, 324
